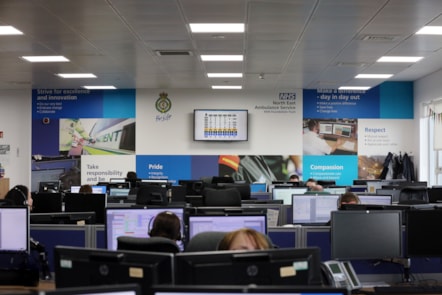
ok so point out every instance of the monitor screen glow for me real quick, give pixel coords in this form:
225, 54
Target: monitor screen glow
14, 238
226, 223
135, 222
343, 130
220, 125
285, 193
311, 208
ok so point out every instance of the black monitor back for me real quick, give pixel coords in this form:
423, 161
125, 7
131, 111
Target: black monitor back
46, 202
91, 266
86, 202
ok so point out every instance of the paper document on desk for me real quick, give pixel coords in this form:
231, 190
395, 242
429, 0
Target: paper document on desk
272, 217
348, 145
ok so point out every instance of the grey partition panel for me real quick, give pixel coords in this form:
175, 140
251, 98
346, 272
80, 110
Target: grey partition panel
285, 237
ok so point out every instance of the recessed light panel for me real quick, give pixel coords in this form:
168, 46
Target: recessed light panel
217, 28
9, 30
373, 76
430, 30
100, 87
76, 75
46, 58
224, 75
226, 87
222, 57
400, 59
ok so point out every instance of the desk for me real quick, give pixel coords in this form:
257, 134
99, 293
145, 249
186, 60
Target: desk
348, 146
42, 286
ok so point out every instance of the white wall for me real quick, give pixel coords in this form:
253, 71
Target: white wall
15, 122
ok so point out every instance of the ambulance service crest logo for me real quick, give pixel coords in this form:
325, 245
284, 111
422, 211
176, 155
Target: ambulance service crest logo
163, 103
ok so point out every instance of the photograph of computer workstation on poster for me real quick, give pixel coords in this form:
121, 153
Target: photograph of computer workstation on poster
319, 236
330, 136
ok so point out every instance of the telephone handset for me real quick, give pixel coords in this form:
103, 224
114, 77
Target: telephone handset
342, 274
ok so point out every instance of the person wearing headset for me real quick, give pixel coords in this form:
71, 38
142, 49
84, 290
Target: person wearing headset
168, 225
20, 195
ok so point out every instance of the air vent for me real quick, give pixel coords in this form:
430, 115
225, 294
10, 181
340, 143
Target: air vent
351, 64
173, 53
381, 38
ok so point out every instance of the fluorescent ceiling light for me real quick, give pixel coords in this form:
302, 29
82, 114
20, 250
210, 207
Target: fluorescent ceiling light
217, 28
47, 58
224, 75
222, 57
354, 88
430, 30
400, 59
9, 30
68, 75
100, 87
373, 76
226, 87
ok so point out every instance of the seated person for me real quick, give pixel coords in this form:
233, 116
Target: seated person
85, 189
294, 178
168, 225
19, 195
244, 239
348, 198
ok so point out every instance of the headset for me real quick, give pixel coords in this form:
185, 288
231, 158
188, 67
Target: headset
153, 231
25, 198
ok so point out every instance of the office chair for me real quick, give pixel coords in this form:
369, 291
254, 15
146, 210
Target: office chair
152, 244
410, 195
151, 195
205, 241
224, 197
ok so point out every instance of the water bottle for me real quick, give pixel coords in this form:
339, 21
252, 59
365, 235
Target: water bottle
2, 171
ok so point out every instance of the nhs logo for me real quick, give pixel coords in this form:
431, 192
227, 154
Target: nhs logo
287, 96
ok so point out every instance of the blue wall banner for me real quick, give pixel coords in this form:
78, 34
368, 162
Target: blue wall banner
342, 169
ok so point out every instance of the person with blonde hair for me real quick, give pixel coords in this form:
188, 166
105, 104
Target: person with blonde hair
245, 239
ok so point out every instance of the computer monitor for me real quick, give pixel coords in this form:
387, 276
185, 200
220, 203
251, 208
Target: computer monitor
136, 222
118, 192
117, 180
435, 194
96, 189
79, 266
123, 289
375, 199
369, 234
226, 222
86, 203
258, 187
159, 182
46, 202
423, 233
393, 192
193, 187
336, 190
44, 175
312, 208
49, 186
79, 218
246, 289
325, 128
285, 193
284, 266
343, 130
222, 179
275, 214
14, 229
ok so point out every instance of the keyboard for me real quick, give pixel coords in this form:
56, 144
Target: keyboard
330, 138
408, 290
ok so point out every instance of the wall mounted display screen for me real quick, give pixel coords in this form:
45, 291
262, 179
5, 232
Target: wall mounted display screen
220, 125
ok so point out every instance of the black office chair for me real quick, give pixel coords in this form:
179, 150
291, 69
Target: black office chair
205, 241
151, 195
410, 195
223, 197
152, 244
